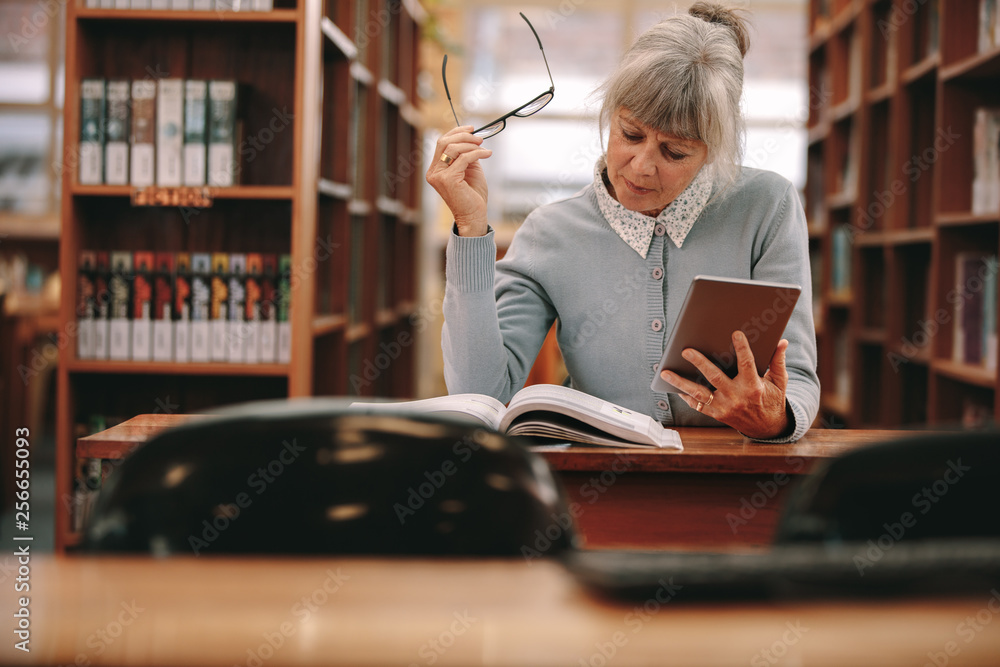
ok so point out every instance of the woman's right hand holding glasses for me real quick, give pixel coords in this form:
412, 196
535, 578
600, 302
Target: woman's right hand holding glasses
456, 175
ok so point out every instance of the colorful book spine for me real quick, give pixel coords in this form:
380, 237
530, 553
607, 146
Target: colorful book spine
182, 308
116, 147
986, 162
219, 306
251, 316
268, 309
86, 304
201, 307
163, 310
195, 125
102, 319
990, 315
143, 163
169, 132
237, 333
120, 324
142, 306
222, 102
91, 132
284, 309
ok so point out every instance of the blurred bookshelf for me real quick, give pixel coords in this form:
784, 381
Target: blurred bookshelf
903, 196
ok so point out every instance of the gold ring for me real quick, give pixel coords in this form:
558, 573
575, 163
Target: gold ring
447, 159
699, 406
711, 397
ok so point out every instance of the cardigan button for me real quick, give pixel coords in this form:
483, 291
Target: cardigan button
657, 273
657, 325
660, 229
661, 404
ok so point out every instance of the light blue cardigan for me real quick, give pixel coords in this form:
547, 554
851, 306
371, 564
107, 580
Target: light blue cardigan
567, 262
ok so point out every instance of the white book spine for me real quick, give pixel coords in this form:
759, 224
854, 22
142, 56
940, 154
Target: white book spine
195, 125
181, 4
142, 338
116, 147
123, 4
264, 5
163, 336
169, 132
200, 347
140, 4
85, 338
219, 331
284, 342
182, 340
159, 4
91, 132
102, 339
221, 133
143, 166
119, 346
203, 5
268, 342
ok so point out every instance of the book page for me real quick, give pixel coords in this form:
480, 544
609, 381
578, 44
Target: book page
624, 424
477, 408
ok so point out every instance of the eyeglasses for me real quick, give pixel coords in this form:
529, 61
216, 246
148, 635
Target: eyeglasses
523, 111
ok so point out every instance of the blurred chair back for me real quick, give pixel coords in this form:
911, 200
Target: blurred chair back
924, 487
314, 478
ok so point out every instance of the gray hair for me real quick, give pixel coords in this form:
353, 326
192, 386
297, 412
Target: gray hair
684, 76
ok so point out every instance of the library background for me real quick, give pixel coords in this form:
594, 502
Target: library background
205, 202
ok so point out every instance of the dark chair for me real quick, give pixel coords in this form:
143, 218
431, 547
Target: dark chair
314, 478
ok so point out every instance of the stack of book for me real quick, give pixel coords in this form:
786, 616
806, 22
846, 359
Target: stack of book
163, 132
986, 162
975, 299
197, 5
184, 307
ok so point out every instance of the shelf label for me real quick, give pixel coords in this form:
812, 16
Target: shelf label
187, 197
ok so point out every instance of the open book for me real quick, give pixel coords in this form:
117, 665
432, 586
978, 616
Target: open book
546, 411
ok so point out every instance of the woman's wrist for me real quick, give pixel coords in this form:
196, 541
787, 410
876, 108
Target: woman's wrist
471, 227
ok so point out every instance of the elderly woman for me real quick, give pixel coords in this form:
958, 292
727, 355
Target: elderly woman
669, 201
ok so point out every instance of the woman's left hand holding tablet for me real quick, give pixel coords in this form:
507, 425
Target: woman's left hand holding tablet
458, 177
753, 405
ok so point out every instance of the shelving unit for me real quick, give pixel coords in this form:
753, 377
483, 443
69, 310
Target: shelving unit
891, 165
336, 188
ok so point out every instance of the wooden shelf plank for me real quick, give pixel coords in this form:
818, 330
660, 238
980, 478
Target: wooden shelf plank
907, 236
356, 332
965, 219
273, 16
26, 227
235, 192
978, 66
975, 375
327, 324
176, 368
925, 68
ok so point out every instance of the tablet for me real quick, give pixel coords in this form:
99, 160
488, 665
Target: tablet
712, 310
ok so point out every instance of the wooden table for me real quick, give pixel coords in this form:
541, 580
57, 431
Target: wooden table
270, 612
722, 492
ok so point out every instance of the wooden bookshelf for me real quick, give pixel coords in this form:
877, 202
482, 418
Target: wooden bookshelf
903, 189
337, 189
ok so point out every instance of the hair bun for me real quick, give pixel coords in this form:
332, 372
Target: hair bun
713, 13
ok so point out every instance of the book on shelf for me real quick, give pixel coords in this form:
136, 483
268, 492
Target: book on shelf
222, 119
142, 306
102, 315
182, 5
86, 304
974, 340
986, 162
143, 135
182, 307
118, 101
840, 259
140, 4
932, 39
236, 330
251, 312
546, 411
268, 309
159, 4
201, 306
120, 289
91, 132
195, 109
989, 25
169, 137
163, 307
218, 317
283, 309
203, 5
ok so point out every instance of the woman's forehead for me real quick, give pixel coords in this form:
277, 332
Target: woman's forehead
627, 116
